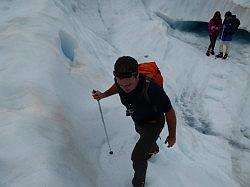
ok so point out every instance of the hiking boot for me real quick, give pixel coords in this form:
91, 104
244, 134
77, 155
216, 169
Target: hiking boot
154, 151
151, 153
207, 53
220, 55
212, 53
141, 184
138, 184
225, 56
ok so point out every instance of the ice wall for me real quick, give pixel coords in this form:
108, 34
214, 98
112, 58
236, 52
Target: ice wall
201, 10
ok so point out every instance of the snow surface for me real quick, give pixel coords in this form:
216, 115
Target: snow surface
53, 53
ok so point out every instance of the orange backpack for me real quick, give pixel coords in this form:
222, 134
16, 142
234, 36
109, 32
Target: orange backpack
151, 70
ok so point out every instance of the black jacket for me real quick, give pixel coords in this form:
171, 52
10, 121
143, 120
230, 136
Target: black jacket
143, 110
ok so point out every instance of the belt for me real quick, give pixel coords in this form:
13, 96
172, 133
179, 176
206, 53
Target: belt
157, 120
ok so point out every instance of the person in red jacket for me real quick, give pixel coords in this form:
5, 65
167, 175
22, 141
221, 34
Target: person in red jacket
214, 27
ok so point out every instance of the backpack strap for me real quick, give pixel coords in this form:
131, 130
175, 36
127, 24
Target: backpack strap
145, 89
145, 92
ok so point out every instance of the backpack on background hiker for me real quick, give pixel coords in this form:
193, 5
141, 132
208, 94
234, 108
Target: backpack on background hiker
236, 24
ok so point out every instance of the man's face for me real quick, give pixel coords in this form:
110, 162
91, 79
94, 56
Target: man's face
128, 84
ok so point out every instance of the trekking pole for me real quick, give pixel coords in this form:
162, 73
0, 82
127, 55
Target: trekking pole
103, 122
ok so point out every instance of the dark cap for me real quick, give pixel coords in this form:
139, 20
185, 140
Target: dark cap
228, 13
125, 67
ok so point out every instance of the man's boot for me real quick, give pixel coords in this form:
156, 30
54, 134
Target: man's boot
207, 53
212, 52
154, 150
220, 55
137, 184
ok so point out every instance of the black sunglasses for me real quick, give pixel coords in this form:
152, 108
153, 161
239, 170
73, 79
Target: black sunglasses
122, 75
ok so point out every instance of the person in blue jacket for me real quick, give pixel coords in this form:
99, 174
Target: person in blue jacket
226, 35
